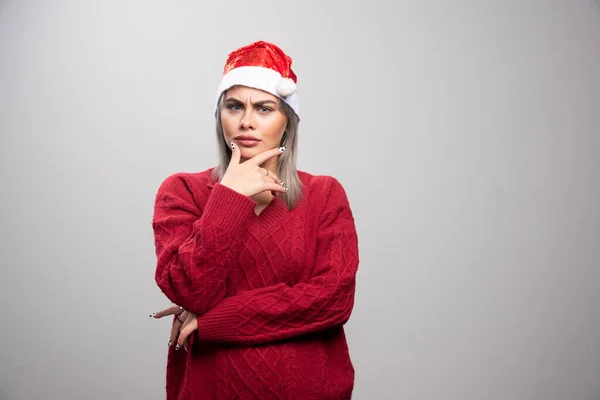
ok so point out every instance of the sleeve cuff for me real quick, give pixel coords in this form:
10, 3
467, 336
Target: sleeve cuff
227, 208
218, 325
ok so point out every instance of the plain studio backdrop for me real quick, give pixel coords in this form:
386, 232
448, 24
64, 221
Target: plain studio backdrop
466, 134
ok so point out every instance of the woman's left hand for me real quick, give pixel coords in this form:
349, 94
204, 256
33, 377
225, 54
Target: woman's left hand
183, 326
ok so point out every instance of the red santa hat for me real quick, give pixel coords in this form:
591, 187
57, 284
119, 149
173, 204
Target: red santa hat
262, 65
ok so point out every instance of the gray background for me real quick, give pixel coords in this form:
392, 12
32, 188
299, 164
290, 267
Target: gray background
466, 134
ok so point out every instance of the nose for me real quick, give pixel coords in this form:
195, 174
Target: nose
247, 121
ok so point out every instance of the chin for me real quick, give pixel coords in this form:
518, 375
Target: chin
249, 152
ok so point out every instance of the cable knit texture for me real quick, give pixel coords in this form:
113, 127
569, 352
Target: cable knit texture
272, 291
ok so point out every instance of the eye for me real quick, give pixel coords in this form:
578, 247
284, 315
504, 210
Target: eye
234, 107
264, 109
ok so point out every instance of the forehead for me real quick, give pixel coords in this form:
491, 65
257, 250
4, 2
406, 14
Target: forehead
245, 92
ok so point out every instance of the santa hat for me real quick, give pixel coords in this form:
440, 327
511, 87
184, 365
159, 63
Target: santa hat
262, 65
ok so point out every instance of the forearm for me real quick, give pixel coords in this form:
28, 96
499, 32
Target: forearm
237, 321
192, 270
280, 312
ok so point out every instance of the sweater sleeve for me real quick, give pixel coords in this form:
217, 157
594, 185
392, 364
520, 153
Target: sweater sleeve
193, 246
279, 312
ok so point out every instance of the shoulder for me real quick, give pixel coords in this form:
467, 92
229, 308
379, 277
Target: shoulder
320, 184
324, 191
187, 184
328, 199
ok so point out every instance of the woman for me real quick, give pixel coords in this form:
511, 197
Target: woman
258, 258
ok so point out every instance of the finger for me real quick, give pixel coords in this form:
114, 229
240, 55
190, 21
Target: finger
181, 318
174, 309
268, 179
176, 327
186, 342
265, 155
274, 187
181, 328
174, 332
187, 331
236, 154
273, 176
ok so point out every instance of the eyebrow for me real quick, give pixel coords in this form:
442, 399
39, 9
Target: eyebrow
258, 103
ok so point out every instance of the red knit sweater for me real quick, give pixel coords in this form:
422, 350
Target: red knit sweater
272, 291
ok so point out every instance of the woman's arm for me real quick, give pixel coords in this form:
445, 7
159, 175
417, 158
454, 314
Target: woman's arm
194, 247
280, 311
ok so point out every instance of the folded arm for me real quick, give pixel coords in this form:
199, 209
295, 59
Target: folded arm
194, 247
281, 311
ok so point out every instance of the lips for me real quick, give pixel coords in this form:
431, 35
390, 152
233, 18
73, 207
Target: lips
246, 137
247, 140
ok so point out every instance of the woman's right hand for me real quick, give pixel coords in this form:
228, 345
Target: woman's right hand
249, 178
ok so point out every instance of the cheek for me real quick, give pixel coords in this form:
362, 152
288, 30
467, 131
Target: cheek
228, 124
275, 129
273, 133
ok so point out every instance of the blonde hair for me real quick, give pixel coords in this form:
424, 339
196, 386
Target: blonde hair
286, 165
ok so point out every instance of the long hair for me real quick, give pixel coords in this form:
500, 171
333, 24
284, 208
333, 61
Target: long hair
286, 165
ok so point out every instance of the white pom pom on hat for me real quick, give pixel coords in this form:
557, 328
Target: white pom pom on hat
263, 66
286, 87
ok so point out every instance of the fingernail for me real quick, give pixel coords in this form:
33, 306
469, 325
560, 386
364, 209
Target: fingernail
232, 145
282, 183
177, 347
152, 315
169, 343
286, 189
282, 148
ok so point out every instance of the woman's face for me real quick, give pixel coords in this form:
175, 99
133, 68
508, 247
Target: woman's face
252, 120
